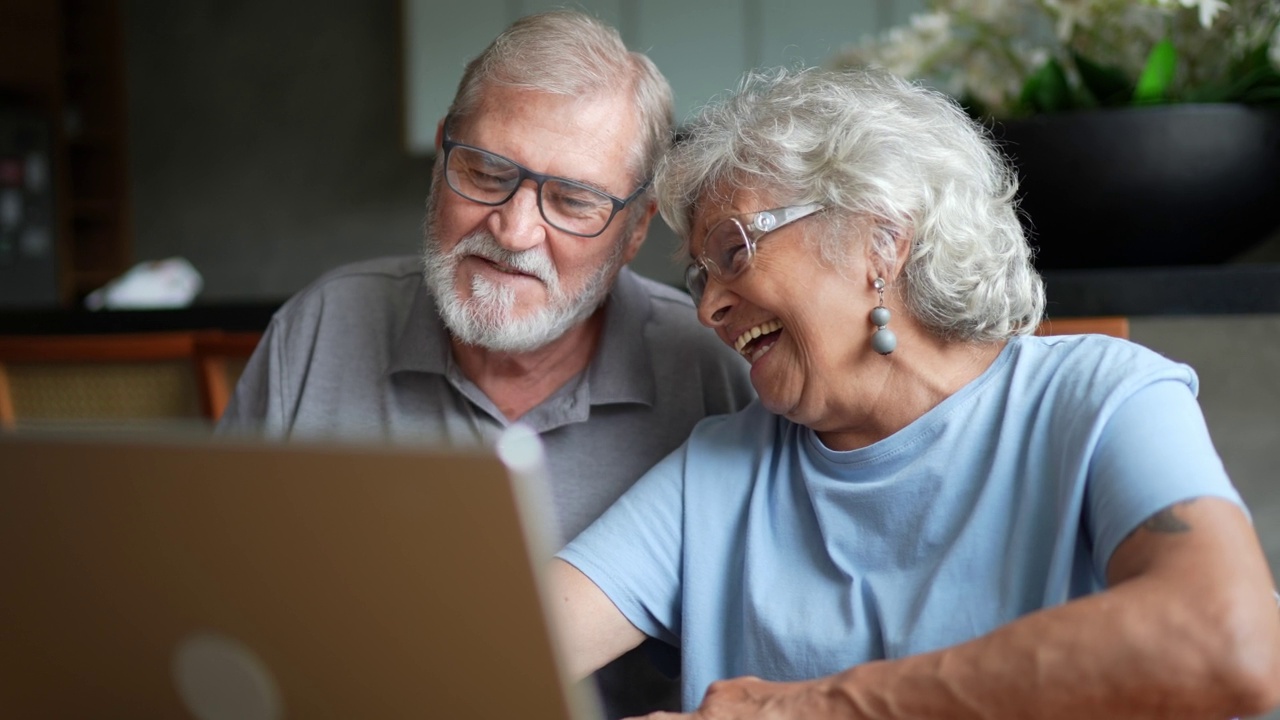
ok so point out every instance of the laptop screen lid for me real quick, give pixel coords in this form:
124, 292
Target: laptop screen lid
149, 578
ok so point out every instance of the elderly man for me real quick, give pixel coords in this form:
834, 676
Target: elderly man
521, 307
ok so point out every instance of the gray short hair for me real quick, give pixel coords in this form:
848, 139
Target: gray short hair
564, 52
870, 145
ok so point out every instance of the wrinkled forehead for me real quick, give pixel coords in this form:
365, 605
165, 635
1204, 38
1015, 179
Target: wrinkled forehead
600, 127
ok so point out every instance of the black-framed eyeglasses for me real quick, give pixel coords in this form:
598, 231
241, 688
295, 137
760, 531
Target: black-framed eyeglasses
568, 205
730, 244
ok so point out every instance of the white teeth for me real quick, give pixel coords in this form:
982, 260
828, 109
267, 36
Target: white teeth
755, 332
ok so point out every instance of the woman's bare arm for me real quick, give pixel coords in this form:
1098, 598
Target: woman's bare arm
1188, 628
591, 630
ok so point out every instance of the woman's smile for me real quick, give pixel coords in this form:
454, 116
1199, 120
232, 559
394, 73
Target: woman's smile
755, 342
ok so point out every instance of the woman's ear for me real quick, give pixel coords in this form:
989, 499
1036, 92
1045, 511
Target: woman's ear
889, 249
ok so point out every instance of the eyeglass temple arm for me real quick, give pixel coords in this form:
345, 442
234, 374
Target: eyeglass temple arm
796, 212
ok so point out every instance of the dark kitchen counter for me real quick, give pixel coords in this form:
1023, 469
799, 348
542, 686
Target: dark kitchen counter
1189, 290
1136, 292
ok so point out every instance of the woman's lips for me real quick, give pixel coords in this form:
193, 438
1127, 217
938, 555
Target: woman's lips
762, 335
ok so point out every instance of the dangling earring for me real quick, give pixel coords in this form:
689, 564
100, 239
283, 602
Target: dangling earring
883, 340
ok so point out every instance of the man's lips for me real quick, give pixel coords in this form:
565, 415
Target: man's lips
505, 268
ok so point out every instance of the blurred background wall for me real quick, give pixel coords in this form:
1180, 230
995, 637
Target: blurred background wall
266, 142
269, 143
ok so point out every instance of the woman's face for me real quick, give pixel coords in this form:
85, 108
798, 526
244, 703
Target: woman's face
801, 322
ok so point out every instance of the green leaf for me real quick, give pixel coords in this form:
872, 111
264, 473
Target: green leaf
1253, 60
1253, 81
1268, 96
1157, 75
1047, 90
974, 107
1108, 85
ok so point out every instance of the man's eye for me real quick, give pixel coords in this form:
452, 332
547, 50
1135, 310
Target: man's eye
489, 179
576, 201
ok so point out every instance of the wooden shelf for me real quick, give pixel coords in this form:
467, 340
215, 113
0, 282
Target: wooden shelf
97, 140
93, 279
73, 64
95, 209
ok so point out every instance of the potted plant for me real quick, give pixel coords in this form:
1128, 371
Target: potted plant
1145, 132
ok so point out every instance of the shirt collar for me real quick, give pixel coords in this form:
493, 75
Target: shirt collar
423, 345
619, 373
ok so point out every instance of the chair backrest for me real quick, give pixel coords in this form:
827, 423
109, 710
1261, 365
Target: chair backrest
1115, 326
220, 358
117, 377
120, 377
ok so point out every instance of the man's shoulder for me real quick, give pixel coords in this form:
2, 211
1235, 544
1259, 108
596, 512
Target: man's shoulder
669, 307
392, 272
360, 288
662, 293
673, 323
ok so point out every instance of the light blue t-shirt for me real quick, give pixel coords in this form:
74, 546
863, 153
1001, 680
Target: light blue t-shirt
759, 551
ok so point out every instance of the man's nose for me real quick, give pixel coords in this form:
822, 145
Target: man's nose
518, 224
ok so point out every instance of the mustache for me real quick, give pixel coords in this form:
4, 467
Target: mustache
533, 261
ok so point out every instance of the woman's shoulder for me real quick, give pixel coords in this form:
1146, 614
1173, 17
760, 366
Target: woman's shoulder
1093, 366
747, 434
752, 420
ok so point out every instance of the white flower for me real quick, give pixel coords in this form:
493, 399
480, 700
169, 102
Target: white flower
988, 81
906, 50
985, 10
988, 49
1207, 9
1069, 14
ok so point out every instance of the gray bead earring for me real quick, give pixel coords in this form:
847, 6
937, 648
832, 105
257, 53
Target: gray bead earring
883, 340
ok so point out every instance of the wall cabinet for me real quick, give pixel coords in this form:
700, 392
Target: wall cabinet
702, 47
63, 61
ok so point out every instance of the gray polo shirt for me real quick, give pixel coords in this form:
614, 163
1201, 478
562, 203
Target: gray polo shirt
363, 353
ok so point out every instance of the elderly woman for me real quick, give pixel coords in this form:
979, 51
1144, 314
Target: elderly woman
929, 512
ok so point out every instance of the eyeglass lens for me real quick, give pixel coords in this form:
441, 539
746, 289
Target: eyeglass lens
725, 252
695, 278
492, 179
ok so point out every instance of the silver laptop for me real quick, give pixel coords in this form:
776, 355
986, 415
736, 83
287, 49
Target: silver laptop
170, 579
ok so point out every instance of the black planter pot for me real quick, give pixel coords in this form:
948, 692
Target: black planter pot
1154, 186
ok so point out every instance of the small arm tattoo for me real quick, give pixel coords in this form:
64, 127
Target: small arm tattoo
1167, 520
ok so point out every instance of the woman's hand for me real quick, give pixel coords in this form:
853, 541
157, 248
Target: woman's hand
1188, 628
751, 697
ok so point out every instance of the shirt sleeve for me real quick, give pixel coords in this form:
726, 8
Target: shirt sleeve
255, 406
1154, 451
633, 551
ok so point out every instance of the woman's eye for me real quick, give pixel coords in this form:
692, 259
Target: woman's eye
735, 257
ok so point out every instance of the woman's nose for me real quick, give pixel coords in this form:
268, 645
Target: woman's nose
715, 303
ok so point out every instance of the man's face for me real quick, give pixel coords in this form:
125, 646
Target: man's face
503, 277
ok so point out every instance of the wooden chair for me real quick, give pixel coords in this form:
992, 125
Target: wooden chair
1114, 326
92, 378
126, 377
220, 358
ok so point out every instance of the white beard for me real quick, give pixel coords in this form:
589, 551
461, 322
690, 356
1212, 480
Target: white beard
490, 318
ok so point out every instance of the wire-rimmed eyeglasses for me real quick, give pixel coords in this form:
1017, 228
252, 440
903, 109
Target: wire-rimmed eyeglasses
730, 244
491, 179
